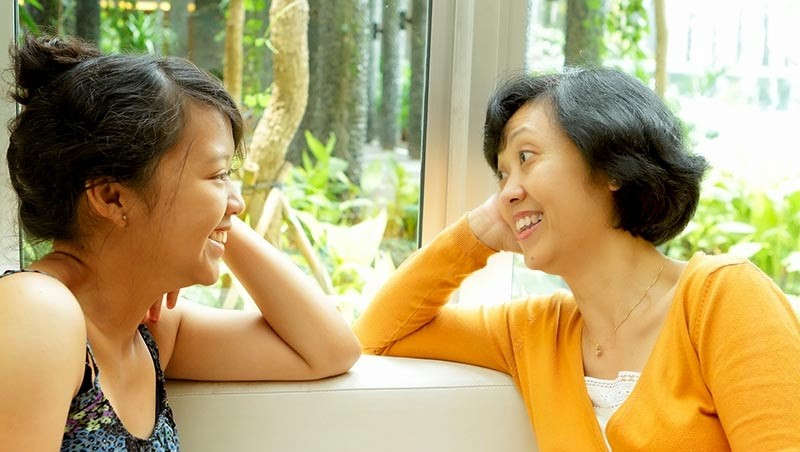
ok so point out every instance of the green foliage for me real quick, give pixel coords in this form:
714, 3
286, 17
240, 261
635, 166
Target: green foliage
320, 186
133, 31
256, 75
25, 18
257, 102
627, 26
358, 231
762, 226
33, 250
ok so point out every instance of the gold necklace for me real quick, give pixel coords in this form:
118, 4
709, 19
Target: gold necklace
598, 346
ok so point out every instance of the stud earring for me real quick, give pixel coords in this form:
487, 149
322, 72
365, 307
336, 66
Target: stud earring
124, 217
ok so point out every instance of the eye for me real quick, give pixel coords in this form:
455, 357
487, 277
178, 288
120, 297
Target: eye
524, 156
225, 175
500, 175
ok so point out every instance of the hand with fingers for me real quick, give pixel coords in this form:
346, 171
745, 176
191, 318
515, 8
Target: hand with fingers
488, 225
154, 313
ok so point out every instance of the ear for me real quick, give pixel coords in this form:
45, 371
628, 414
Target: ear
108, 200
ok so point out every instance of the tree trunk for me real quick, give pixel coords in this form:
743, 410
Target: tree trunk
351, 127
373, 57
87, 20
234, 30
419, 56
179, 24
583, 43
207, 22
274, 132
342, 34
316, 73
661, 47
389, 131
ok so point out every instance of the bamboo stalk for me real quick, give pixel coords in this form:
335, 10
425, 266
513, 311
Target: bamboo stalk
298, 236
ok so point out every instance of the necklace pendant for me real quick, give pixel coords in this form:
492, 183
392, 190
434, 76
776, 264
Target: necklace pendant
597, 350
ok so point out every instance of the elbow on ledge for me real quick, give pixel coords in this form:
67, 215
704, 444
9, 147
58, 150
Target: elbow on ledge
339, 358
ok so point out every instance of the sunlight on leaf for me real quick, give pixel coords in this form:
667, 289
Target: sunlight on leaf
358, 243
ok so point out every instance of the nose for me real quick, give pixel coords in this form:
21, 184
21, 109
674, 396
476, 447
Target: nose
512, 191
235, 200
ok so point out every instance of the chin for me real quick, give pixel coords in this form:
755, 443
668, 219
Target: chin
530, 262
534, 261
208, 277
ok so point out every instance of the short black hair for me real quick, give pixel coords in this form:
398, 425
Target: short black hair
624, 131
86, 115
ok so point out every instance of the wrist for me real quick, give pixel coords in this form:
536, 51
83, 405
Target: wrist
481, 225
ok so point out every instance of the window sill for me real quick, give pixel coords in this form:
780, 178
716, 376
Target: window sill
383, 404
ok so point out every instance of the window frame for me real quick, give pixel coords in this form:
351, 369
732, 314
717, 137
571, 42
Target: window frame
9, 236
471, 44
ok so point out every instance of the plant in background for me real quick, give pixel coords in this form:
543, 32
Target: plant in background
763, 226
33, 250
26, 19
124, 29
320, 185
391, 187
358, 231
627, 29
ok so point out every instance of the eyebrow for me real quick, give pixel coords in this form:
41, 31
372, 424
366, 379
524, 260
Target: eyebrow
220, 155
517, 131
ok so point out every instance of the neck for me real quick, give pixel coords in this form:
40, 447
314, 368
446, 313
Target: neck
612, 280
110, 290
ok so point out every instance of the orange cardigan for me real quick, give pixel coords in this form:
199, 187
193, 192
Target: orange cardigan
724, 373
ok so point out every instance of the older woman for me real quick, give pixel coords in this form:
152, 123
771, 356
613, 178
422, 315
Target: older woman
644, 352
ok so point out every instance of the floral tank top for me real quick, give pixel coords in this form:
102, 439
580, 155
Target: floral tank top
92, 424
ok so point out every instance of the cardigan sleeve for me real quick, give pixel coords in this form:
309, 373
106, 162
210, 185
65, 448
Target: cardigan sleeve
410, 317
748, 341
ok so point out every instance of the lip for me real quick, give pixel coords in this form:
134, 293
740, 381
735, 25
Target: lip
524, 213
520, 236
218, 247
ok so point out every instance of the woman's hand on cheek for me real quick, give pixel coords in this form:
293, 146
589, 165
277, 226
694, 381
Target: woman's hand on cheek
489, 227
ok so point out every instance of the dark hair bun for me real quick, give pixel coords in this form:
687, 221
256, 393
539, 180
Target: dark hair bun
39, 61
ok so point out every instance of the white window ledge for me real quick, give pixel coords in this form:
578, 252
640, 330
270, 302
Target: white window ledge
383, 404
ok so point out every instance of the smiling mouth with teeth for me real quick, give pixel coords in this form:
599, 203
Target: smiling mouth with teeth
219, 236
525, 223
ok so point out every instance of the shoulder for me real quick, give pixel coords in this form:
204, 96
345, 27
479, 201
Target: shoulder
724, 274
36, 294
554, 310
42, 328
730, 288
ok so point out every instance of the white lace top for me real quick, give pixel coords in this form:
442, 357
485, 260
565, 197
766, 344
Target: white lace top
608, 395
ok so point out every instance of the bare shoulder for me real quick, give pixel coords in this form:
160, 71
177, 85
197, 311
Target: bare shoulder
39, 314
34, 295
42, 335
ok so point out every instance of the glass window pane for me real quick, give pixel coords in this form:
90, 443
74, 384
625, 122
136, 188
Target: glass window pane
350, 122
730, 71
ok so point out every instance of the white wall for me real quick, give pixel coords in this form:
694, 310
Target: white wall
9, 238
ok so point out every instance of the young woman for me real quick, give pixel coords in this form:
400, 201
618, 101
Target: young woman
644, 352
124, 162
